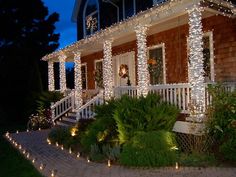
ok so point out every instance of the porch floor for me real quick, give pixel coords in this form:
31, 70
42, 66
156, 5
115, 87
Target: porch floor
67, 165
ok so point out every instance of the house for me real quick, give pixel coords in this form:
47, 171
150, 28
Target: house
172, 47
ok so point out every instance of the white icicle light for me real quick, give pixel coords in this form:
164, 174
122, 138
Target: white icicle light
143, 79
107, 70
62, 67
78, 79
196, 63
51, 82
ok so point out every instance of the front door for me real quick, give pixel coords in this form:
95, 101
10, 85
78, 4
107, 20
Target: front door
124, 69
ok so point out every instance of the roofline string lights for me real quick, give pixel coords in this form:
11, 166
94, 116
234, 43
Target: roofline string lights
107, 70
51, 81
78, 79
62, 68
196, 63
142, 69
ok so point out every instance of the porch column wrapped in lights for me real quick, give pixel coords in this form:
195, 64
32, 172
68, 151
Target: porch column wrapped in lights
78, 79
107, 70
196, 77
51, 82
142, 71
62, 69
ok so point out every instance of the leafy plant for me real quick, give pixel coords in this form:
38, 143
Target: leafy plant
156, 148
143, 114
222, 120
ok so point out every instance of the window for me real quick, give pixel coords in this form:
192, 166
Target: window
98, 75
91, 17
156, 64
208, 61
84, 76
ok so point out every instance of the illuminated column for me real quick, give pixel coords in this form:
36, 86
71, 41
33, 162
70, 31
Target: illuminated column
142, 69
196, 77
51, 82
78, 79
62, 69
107, 70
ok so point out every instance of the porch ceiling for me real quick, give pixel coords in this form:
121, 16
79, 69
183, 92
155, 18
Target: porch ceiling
164, 17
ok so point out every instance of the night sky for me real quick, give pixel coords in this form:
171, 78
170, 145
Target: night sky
65, 26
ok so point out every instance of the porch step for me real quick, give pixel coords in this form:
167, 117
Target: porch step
71, 119
65, 123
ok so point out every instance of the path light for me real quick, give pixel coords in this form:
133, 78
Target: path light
39, 128
24, 151
42, 166
33, 160
53, 173
57, 144
48, 140
17, 131
7, 134
10, 138
176, 165
88, 160
20, 147
62, 147
78, 155
109, 163
27, 130
28, 155
70, 151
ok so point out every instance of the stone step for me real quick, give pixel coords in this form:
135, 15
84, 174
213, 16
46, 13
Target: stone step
65, 123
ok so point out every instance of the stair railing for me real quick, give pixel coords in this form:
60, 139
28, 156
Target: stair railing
63, 106
87, 110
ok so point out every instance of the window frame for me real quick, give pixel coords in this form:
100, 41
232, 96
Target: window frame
95, 62
86, 75
84, 17
162, 45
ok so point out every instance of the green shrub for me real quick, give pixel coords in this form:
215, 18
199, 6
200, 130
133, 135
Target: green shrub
197, 160
103, 129
143, 114
228, 149
222, 120
156, 148
63, 136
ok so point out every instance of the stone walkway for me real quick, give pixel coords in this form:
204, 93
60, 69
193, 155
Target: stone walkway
67, 165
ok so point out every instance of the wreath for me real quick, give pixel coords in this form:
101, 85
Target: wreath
123, 72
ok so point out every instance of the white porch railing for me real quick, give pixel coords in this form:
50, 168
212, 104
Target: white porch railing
64, 105
87, 110
177, 94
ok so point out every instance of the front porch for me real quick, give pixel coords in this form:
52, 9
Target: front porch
171, 37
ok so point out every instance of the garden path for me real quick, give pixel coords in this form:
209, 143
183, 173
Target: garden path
67, 165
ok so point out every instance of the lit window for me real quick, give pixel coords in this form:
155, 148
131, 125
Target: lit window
156, 65
91, 17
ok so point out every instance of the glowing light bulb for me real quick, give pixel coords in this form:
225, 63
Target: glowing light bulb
109, 163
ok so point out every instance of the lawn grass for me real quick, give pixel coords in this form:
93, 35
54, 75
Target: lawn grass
12, 163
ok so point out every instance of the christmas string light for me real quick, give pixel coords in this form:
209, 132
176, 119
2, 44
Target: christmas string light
143, 77
78, 79
62, 59
51, 82
226, 8
196, 63
107, 70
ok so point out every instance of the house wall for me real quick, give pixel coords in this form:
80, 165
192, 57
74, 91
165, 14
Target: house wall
224, 36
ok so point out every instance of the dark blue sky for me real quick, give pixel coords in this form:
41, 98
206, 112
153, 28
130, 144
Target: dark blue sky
65, 26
